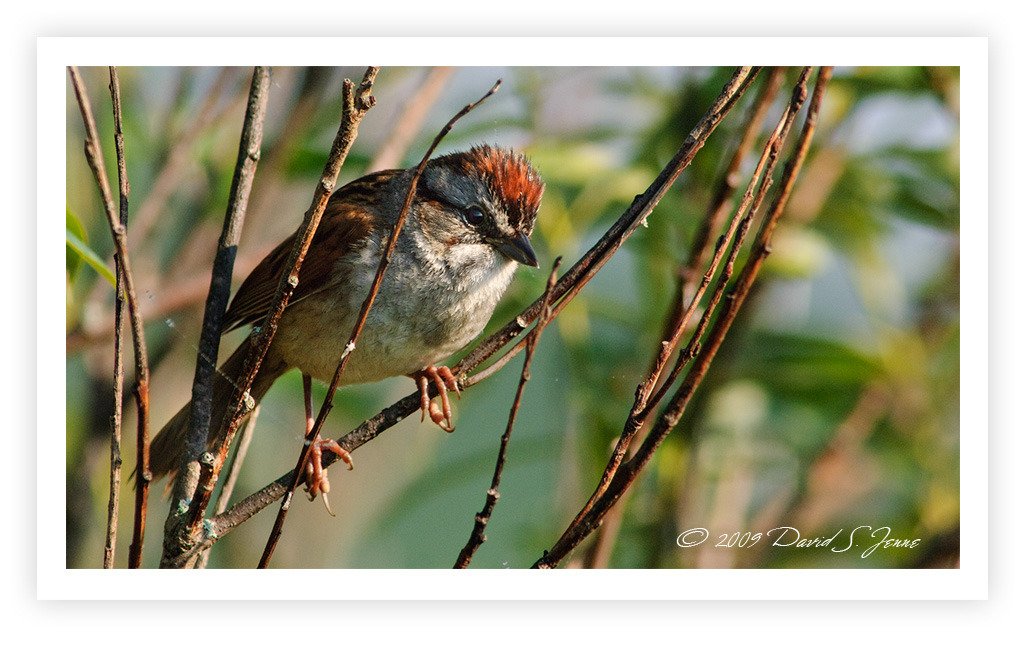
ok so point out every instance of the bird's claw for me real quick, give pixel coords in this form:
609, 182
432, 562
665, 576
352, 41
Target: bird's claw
445, 381
316, 477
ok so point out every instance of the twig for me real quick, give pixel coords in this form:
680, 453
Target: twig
768, 158
222, 497
599, 553
476, 537
151, 208
114, 502
220, 289
565, 289
390, 154
94, 156
766, 165
689, 271
175, 163
701, 246
357, 101
221, 503
703, 356
357, 329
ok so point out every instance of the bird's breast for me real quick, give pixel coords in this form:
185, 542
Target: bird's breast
425, 311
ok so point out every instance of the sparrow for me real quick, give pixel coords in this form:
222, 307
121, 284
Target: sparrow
466, 232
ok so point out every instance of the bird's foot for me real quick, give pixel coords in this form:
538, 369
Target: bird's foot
444, 379
316, 476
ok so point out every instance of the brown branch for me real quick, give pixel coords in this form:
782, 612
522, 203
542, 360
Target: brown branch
644, 404
113, 504
418, 106
477, 537
222, 497
357, 329
200, 411
703, 354
221, 503
729, 181
94, 156
599, 553
565, 289
162, 300
356, 103
689, 272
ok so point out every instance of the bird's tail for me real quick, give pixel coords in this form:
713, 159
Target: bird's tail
168, 446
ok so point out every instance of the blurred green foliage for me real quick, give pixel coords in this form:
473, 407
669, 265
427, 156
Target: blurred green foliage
834, 402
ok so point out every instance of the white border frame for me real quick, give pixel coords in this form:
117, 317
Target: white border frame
970, 581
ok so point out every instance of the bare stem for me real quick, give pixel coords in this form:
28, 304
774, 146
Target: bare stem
221, 499
113, 505
688, 277
477, 537
197, 437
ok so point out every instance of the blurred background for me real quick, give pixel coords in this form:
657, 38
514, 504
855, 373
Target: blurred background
834, 402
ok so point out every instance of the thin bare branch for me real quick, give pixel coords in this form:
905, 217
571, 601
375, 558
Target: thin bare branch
222, 497
704, 353
729, 181
94, 156
477, 537
114, 502
357, 329
689, 272
599, 553
565, 289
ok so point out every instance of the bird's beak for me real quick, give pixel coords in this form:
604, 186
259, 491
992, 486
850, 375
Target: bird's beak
518, 248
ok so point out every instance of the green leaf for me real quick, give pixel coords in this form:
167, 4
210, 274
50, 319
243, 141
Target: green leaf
74, 225
75, 244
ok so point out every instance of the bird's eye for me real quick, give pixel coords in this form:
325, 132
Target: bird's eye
473, 216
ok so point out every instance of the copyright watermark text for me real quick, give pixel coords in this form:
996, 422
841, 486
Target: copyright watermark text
866, 538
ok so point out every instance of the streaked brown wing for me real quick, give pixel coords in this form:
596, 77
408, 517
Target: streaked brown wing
343, 225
